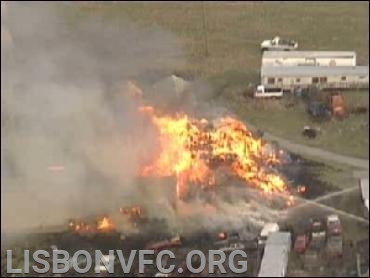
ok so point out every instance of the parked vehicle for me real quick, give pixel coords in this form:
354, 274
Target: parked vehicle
334, 247
266, 231
333, 105
232, 247
337, 105
157, 246
301, 243
278, 43
318, 110
309, 132
160, 274
310, 259
262, 92
333, 224
318, 234
251, 244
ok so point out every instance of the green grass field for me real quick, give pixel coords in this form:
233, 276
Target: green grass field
234, 32
349, 136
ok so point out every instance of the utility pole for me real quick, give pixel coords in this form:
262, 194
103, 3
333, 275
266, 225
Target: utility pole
205, 30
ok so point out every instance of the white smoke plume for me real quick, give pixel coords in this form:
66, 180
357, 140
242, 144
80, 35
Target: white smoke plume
63, 104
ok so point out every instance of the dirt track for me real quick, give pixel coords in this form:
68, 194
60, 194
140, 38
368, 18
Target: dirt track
318, 153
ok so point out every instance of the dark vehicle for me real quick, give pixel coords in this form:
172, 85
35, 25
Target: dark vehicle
334, 246
318, 234
311, 260
309, 132
319, 110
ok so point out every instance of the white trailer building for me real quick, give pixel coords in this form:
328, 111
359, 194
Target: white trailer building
309, 58
292, 77
275, 258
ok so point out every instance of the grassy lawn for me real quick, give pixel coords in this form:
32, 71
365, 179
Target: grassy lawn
234, 32
341, 177
350, 136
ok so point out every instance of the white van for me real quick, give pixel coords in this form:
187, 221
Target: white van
262, 92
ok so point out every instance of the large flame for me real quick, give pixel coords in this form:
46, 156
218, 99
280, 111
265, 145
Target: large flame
191, 149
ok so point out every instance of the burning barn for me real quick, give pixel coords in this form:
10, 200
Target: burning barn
192, 150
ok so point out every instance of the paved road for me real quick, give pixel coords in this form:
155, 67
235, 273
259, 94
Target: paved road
319, 153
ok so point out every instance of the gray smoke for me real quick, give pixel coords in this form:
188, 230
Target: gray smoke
63, 104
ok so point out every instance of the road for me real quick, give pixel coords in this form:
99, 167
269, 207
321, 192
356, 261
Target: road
315, 203
318, 153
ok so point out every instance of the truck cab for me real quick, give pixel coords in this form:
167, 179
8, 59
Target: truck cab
266, 231
333, 225
263, 92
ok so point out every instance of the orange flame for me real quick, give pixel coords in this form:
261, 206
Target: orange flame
191, 148
105, 224
301, 189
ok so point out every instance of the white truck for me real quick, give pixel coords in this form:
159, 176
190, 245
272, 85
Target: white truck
267, 229
278, 43
262, 92
333, 225
232, 247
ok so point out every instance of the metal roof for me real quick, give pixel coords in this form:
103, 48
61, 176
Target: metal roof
309, 54
275, 258
279, 238
302, 71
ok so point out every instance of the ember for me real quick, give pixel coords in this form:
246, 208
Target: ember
79, 226
105, 224
132, 212
222, 235
191, 149
301, 189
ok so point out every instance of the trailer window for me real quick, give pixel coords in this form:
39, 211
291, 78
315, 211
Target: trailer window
315, 80
273, 90
270, 80
323, 80
343, 78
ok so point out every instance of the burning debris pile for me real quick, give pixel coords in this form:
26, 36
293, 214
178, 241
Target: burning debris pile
195, 150
102, 224
199, 153
106, 224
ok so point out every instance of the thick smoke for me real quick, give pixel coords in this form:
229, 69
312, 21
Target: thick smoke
63, 104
